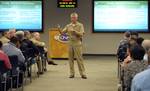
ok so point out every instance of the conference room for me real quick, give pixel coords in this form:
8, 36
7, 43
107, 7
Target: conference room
74, 45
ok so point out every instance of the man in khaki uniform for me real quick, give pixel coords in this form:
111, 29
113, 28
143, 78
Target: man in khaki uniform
36, 41
5, 37
75, 31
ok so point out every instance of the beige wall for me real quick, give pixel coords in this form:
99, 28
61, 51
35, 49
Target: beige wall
94, 43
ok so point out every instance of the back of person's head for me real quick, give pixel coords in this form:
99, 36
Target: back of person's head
134, 34
139, 40
14, 40
137, 52
27, 34
127, 34
1, 44
19, 35
146, 44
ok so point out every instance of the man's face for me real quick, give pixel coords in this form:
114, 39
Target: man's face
12, 33
7, 35
74, 19
28, 35
37, 36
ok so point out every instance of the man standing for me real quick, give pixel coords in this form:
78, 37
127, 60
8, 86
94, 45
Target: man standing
75, 31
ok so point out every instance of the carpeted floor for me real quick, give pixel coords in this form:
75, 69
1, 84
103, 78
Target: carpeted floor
101, 73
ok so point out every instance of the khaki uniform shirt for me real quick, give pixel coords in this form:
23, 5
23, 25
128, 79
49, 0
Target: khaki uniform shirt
37, 43
4, 40
75, 37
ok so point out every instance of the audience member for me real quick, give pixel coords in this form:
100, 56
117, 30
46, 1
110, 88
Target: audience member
134, 34
135, 66
4, 57
27, 46
41, 45
146, 45
141, 81
5, 37
123, 45
20, 35
12, 49
12, 32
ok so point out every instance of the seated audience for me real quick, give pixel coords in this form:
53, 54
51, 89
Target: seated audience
4, 57
135, 66
141, 81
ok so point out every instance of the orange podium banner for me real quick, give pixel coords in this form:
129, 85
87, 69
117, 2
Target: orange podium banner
58, 44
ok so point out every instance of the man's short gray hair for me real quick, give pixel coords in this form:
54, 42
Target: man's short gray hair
74, 14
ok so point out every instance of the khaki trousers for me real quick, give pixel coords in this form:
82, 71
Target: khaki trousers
75, 51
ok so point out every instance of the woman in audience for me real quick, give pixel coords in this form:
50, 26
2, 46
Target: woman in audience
135, 66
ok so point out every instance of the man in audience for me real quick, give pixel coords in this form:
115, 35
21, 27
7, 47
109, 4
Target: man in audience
123, 46
5, 37
42, 49
28, 48
12, 32
135, 66
134, 34
20, 35
141, 81
12, 49
36, 40
4, 57
126, 38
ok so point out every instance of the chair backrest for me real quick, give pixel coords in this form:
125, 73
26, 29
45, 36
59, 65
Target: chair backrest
14, 61
3, 68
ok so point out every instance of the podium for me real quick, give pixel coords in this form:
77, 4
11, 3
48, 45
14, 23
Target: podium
58, 47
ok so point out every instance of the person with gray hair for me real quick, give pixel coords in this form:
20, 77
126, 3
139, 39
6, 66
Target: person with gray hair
75, 31
20, 35
12, 32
